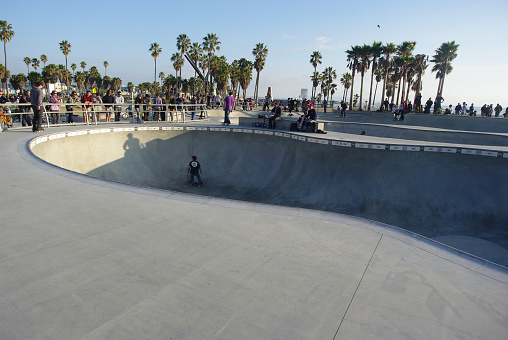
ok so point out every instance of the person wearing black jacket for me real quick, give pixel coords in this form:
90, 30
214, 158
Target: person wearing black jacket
108, 99
276, 116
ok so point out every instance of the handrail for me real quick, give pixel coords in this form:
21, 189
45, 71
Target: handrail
177, 112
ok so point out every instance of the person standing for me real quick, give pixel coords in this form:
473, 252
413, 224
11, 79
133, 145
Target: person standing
194, 170
97, 107
217, 100
87, 99
229, 105
36, 96
118, 108
157, 107
325, 104
146, 107
26, 117
108, 99
498, 110
137, 107
54, 109
73, 99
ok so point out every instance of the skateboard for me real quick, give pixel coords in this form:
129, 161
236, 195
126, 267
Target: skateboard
227, 124
195, 184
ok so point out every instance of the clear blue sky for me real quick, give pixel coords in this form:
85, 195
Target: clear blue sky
121, 33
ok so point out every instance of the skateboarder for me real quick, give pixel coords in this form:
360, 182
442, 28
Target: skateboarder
194, 170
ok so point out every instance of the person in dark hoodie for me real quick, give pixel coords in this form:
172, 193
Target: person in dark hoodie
36, 96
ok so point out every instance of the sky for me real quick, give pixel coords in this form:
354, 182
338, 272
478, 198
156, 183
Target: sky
121, 33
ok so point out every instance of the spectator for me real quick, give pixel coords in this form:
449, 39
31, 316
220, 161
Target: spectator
276, 116
26, 117
498, 110
118, 108
73, 99
54, 109
137, 107
108, 99
97, 107
229, 105
87, 109
146, 107
157, 107
36, 96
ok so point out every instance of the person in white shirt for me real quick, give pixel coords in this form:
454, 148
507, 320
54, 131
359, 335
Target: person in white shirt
118, 108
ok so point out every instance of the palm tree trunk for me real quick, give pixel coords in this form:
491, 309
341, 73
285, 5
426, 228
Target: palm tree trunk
371, 83
403, 86
442, 85
384, 86
155, 72
439, 86
398, 91
352, 87
374, 100
361, 92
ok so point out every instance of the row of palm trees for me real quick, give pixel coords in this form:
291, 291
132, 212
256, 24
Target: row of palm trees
213, 71
324, 79
397, 67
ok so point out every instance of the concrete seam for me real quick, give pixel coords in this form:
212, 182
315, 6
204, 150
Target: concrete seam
357, 287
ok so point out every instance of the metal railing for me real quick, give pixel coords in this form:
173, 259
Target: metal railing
91, 112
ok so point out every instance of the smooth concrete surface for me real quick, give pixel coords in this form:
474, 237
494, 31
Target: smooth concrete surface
432, 194
85, 258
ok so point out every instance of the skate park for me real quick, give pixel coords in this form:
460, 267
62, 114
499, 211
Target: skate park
293, 235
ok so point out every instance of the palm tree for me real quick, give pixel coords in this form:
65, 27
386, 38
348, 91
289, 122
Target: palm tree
375, 52
195, 52
44, 59
182, 43
328, 76
27, 61
130, 87
442, 62
260, 52
353, 56
83, 65
50, 75
6, 34
420, 67
210, 44
116, 83
245, 74
220, 72
405, 51
161, 77
73, 67
315, 59
379, 76
65, 47
35, 63
177, 60
363, 66
316, 80
106, 64
388, 50
345, 80
156, 51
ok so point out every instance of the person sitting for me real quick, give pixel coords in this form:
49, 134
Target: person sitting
309, 120
276, 116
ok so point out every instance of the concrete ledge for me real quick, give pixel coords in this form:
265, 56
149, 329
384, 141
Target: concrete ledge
283, 124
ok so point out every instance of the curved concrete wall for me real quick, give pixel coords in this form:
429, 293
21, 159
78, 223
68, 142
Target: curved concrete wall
431, 193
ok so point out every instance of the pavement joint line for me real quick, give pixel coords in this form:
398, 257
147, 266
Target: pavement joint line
358, 286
